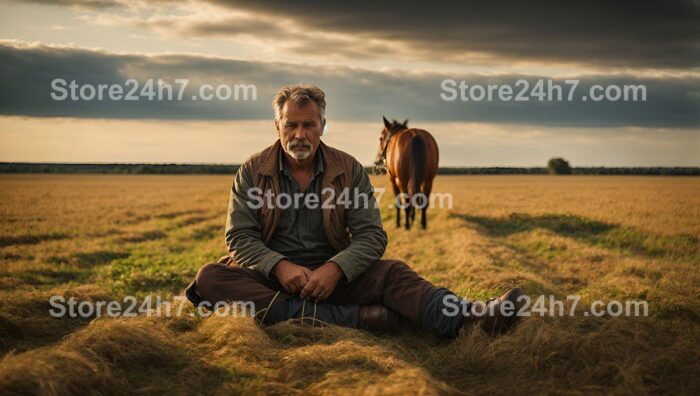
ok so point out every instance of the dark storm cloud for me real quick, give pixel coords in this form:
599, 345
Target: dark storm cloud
648, 34
84, 4
353, 94
663, 34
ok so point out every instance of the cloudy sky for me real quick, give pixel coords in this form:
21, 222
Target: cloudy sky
372, 59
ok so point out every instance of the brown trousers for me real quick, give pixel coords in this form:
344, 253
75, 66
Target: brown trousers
388, 282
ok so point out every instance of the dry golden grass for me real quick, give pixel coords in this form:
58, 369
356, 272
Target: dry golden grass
103, 237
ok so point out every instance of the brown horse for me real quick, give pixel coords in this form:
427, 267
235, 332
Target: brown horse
410, 157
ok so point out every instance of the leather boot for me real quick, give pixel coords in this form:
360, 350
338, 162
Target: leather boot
491, 316
377, 318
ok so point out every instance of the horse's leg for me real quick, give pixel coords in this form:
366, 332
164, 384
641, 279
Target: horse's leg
408, 213
398, 216
396, 201
424, 210
413, 214
406, 201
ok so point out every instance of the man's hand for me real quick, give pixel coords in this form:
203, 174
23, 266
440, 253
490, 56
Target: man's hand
292, 277
322, 282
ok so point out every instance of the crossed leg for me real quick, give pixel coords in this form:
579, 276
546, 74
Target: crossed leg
388, 282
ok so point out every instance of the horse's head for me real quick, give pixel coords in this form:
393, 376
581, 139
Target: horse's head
389, 129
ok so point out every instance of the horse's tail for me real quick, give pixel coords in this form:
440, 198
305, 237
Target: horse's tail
418, 152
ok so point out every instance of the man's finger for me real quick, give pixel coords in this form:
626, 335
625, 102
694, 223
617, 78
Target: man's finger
320, 298
297, 282
300, 284
324, 295
315, 292
293, 286
310, 286
321, 291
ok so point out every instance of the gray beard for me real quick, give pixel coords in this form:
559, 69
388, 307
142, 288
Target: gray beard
299, 155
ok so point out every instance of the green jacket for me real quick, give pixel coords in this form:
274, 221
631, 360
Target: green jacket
354, 231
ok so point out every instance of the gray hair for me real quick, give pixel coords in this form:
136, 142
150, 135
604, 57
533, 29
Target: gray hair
300, 95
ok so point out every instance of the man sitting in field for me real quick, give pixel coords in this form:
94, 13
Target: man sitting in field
305, 239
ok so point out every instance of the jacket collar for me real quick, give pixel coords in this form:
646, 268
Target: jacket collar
331, 164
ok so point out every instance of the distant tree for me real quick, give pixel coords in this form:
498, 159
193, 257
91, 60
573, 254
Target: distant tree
558, 166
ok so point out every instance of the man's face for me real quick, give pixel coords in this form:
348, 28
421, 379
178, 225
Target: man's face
300, 129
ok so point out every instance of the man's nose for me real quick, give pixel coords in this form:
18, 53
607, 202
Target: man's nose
299, 133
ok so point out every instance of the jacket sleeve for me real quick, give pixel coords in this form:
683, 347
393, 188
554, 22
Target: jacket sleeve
369, 239
243, 231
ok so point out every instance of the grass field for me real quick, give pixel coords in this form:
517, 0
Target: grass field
104, 237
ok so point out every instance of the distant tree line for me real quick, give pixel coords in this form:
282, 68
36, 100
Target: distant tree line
153, 169
650, 171
182, 169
